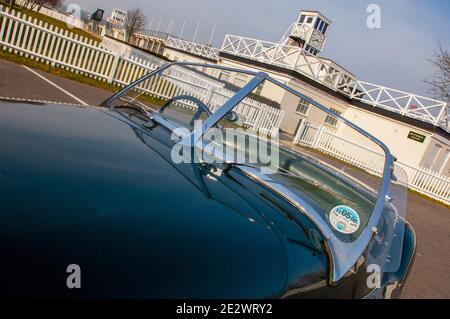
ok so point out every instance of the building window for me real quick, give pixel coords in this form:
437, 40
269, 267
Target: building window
225, 76
444, 163
331, 120
302, 18
303, 107
240, 80
309, 20
433, 156
311, 50
316, 26
321, 26
259, 89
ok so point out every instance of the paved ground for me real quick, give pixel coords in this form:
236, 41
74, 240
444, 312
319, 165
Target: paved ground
18, 82
430, 276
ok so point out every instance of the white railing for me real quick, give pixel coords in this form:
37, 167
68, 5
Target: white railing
420, 179
329, 74
45, 43
201, 50
272, 53
299, 30
303, 32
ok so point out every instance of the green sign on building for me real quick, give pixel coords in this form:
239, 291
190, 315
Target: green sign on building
416, 136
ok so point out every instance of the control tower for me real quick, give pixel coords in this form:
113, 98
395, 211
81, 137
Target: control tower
308, 32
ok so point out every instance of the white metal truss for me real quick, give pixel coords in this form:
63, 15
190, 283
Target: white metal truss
331, 75
202, 50
303, 32
299, 30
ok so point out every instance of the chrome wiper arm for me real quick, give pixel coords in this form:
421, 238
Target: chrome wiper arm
315, 184
137, 105
308, 180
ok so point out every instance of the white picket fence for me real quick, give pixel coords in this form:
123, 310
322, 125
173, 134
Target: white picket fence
420, 179
27, 37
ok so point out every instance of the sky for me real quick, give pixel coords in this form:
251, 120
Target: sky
395, 55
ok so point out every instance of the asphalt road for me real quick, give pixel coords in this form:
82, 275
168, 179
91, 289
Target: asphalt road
18, 82
430, 275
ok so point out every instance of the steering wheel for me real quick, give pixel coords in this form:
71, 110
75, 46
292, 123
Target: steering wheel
202, 108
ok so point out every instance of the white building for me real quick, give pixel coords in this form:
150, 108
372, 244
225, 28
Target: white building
415, 128
117, 17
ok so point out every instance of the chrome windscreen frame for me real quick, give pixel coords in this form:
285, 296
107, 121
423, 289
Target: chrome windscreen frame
344, 254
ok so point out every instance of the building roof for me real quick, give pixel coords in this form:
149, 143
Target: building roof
318, 13
359, 104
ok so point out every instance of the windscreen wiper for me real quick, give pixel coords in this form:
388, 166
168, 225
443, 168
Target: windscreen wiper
142, 108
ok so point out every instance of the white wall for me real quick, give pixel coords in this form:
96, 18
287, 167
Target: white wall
437, 155
176, 55
393, 133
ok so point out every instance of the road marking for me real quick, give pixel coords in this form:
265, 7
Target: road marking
56, 86
19, 99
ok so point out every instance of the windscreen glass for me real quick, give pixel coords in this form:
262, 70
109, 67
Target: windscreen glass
385, 250
327, 164
330, 167
184, 94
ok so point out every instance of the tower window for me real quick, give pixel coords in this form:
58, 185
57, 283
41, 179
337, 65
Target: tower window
302, 18
303, 107
321, 26
311, 50
309, 20
318, 21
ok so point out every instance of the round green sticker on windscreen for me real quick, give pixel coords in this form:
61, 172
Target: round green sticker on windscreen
344, 219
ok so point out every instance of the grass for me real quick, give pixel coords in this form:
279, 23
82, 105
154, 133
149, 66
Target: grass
55, 22
81, 78
157, 102
434, 201
12, 57
16, 58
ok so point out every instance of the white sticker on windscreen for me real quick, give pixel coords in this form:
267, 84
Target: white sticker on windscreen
344, 219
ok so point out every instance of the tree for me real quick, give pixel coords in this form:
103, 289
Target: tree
135, 21
54, 3
32, 4
439, 82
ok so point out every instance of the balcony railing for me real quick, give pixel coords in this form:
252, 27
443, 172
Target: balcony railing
329, 74
201, 50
